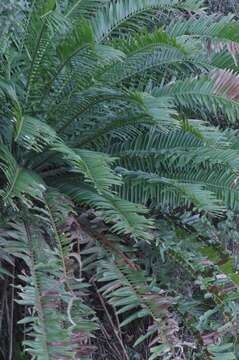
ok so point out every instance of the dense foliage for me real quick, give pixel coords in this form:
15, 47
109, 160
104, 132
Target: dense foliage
119, 180
228, 6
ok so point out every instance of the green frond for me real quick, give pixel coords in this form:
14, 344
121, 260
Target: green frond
169, 192
18, 181
34, 134
185, 159
176, 150
81, 35
222, 183
43, 291
58, 210
199, 95
161, 110
148, 40
225, 29
115, 14
86, 8
135, 296
108, 55
126, 294
124, 216
95, 166
210, 135
85, 100
143, 61
42, 43
76, 50
122, 128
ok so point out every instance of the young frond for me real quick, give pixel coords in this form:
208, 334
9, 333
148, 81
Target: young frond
226, 83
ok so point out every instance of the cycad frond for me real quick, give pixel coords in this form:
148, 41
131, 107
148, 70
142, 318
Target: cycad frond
43, 291
176, 150
134, 296
86, 8
80, 36
201, 94
143, 61
34, 134
169, 192
115, 14
93, 165
206, 27
148, 40
226, 83
18, 181
125, 217
40, 27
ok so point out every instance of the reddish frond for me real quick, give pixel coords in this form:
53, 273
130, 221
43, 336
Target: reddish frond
226, 83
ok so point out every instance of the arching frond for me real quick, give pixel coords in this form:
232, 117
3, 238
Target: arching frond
174, 150
125, 217
115, 14
225, 29
148, 40
200, 95
86, 8
170, 192
135, 297
93, 165
141, 62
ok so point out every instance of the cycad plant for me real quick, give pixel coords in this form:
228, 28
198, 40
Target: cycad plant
114, 113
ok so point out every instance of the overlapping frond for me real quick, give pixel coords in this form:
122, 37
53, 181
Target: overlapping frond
169, 192
47, 338
105, 107
176, 149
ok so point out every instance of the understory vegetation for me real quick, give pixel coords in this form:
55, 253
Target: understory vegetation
119, 170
